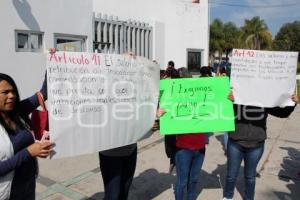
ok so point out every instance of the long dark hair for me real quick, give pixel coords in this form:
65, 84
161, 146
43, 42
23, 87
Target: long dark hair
15, 115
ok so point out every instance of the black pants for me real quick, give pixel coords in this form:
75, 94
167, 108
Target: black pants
170, 147
117, 173
23, 191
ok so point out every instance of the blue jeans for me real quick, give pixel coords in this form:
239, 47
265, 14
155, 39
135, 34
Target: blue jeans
251, 156
188, 167
117, 173
225, 140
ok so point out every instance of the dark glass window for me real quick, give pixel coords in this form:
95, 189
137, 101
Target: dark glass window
193, 60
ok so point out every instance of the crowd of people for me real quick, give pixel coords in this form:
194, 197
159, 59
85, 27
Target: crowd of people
19, 149
246, 143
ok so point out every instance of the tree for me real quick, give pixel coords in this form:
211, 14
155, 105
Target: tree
216, 42
231, 37
288, 38
255, 34
223, 37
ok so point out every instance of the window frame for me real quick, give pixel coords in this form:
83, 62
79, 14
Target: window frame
190, 50
29, 33
81, 38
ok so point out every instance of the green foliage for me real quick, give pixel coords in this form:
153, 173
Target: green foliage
231, 35
256, 35
216, 36
288, 38
223, 37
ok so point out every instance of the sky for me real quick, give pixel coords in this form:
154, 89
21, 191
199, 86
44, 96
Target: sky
274, 12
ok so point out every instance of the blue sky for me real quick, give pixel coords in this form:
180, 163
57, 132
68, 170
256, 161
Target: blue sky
274, 12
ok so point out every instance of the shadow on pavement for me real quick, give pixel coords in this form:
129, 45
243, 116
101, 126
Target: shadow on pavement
290, 172
220, 138
217, 179
97, 196
150, 184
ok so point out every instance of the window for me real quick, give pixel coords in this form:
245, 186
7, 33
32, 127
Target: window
29, 41
194, 60
65, 42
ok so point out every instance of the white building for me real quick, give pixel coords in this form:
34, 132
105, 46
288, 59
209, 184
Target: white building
161, 30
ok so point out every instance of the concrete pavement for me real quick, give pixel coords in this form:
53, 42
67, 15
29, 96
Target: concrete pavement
79, 178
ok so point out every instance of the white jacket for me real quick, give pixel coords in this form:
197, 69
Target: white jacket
6, 151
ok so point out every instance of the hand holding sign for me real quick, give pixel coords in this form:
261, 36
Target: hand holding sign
295, 98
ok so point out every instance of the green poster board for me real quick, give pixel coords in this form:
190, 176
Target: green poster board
196, 105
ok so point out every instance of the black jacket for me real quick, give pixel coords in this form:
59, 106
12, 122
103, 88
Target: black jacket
250, 123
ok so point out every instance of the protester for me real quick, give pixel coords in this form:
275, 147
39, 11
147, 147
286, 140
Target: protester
184, 72
171, 72
155, 126
170, 140
117, 168
189, 157
18, 148
162, 73
171, 65
206, 71
247, 143
222, 72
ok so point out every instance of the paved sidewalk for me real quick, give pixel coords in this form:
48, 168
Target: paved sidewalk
79, 178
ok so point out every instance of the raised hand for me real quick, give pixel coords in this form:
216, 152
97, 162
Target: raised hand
52, 50
160, 112
295, 98
230, 96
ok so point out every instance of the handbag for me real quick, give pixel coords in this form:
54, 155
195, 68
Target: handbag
39, 118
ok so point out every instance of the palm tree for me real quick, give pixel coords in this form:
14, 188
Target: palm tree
231, 34
255, 34
217, 41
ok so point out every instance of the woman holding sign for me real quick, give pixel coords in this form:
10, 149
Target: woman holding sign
18, 149
189, 158
247, 143
170, 140
117, 167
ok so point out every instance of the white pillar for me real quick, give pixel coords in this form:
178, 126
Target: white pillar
133, 39
105, 39
147, 43
143, 42
138, 42
116, 42
122, 39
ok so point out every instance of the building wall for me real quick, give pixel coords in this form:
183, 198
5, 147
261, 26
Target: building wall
48, 16
178, 25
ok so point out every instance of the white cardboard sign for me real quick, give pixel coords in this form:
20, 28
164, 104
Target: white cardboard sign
99, 101
263, 78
